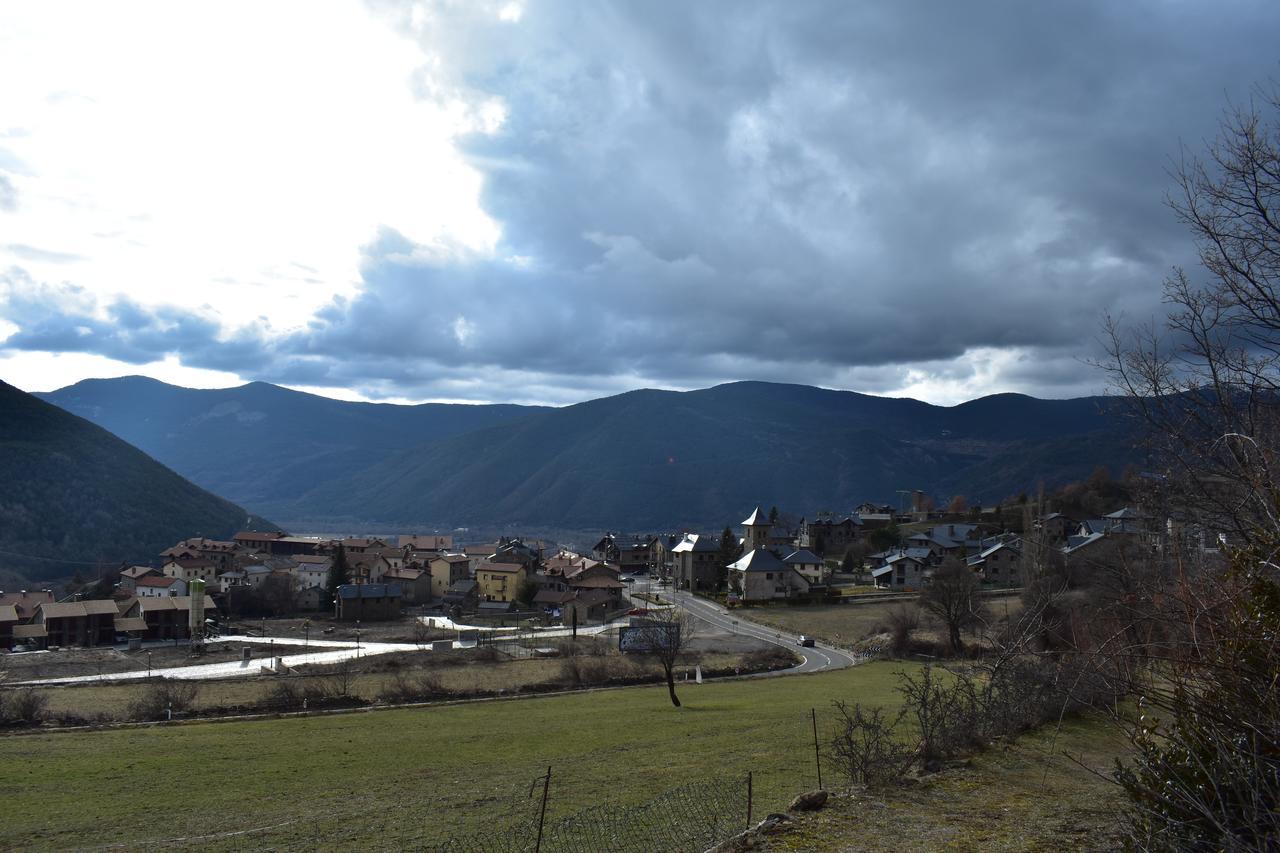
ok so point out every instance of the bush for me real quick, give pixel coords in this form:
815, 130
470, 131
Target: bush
903, 622
22, 708
162, 696
865, 747
400, 689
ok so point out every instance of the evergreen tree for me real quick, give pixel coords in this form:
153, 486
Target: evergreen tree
339, 574
730, 550
773, 515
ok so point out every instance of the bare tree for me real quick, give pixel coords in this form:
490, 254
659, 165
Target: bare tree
952, 596
1206, 767
664, 636
1206, 385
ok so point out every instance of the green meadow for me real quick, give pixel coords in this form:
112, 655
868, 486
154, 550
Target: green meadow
397, 778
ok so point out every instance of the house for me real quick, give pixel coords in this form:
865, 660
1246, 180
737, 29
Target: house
254, 541
158, 586
903, 571
256, 575
809, 566
394, 556
759, 575
167, 618
221, 553
312, 570
462, 596
598, 585
827, 535
8, 619
431, 544
129, 577
368, 602
660, 552
233, 578
588, 606
633, 556
1055, 527
71, 623
416, 583
351, 545
514, 551
368, 568
25, 603
446, 570
1000, 564
189, 570
695, 563
499, 581
552, 601
311, 598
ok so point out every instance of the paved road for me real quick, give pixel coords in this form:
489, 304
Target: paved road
816, 659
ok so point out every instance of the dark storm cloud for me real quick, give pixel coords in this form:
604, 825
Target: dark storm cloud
841, 194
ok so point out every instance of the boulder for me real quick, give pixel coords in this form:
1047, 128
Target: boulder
810, 801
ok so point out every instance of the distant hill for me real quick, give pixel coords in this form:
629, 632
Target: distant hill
261, 445
658, 459
74, 493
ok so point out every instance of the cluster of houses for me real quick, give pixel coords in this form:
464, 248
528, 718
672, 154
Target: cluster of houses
35, 620
770, 561
777, 562
293, 574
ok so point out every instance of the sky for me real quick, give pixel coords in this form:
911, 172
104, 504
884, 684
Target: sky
547, 202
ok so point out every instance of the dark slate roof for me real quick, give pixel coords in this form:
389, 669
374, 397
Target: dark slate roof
756, 518
803, 556
759, 560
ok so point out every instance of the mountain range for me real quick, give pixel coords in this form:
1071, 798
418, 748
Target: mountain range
76, 498
645, 459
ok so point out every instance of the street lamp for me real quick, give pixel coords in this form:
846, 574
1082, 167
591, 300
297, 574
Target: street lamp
357, 638
306, 634
148, 665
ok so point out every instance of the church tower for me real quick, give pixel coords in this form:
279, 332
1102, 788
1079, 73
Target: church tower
756, 531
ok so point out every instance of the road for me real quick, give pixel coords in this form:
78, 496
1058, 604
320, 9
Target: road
816, 659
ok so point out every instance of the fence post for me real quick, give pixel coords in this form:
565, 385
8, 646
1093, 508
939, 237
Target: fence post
817, 753
542, 815
748, 799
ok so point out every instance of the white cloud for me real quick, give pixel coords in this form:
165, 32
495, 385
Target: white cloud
232, 155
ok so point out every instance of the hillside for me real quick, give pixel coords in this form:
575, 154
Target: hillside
73, 493
260, 444
654, 459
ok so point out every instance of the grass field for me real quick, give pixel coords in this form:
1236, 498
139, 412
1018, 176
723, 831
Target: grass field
391, 779
847, 624
109, 702
1040, 792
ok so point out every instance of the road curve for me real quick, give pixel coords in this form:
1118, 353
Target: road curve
816, 658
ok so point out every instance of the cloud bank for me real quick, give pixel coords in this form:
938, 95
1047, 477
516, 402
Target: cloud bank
927, 199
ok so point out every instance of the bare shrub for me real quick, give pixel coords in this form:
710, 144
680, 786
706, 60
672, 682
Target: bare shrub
161, 697
22, 708
770, 658
865, 747
401, 689
284, 693
903, 622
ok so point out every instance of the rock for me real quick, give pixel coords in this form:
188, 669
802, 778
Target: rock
810, 801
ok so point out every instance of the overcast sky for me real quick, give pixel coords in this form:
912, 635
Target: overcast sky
553, 201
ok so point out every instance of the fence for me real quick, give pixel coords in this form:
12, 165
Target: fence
693, 817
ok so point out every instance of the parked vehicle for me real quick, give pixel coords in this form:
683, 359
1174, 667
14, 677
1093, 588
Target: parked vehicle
802, 640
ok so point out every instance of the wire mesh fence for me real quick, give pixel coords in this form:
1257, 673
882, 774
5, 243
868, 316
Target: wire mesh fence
691, 817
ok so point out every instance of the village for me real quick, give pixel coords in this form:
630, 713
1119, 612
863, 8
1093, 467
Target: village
371, 580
